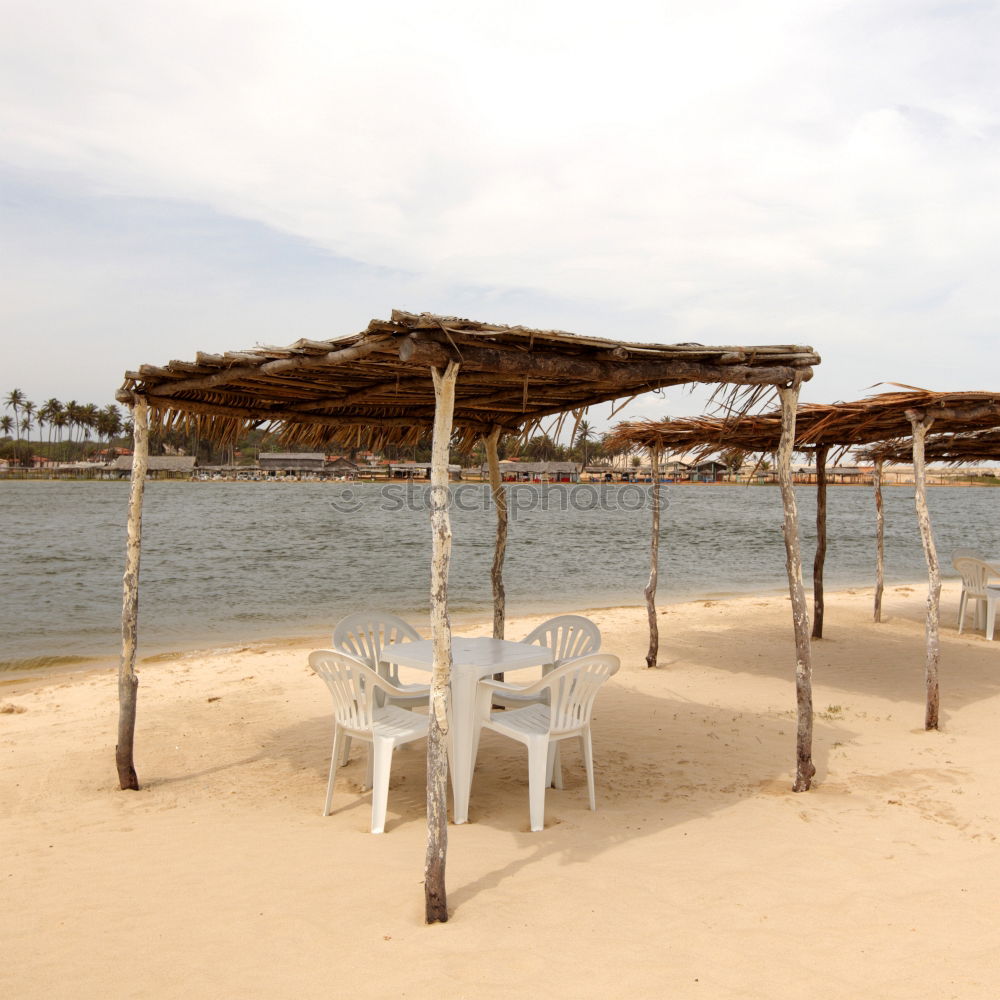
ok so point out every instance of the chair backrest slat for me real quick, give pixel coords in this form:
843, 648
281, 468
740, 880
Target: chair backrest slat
365, 633
975, 574
351, 683
574, 686
569, 636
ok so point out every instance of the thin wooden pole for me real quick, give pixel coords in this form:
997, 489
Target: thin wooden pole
128, 682
654, 561
879, 539
500, 548
820, 557
804, 768
921, 425
435, 895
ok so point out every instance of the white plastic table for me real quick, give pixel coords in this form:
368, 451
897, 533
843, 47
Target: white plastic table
472, 659
992, 596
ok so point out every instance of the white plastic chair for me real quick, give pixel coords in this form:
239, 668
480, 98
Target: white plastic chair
572, 689
569, 637
975, 576
356, 715
363, 634
963, 553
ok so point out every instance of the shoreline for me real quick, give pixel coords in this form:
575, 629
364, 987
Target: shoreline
470, 621
992, 481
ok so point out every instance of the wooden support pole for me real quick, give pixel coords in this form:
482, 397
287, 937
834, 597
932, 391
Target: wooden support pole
820, 557
654, 559
128, 682
879, 539
435, 895
804, 768
921, 425
500, 548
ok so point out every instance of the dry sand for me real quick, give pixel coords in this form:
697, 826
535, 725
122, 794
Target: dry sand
700, 875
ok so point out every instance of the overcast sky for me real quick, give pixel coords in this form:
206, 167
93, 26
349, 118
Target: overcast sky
212, 174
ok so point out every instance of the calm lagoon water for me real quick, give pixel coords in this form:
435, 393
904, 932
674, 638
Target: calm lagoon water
224, 563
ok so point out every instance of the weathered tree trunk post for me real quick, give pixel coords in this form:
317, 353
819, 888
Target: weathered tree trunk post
820, 557
879, 539
435, 895
654, 559
128, 682
921, 425
500, 549
804, 769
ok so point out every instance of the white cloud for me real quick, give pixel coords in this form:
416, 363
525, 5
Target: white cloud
820, 171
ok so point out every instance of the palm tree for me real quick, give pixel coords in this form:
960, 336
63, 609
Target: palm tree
88, 419
59, 421
14, 401
28, 409
584, 433
109, 423
50, 410
6, 424
72, 411
541, 448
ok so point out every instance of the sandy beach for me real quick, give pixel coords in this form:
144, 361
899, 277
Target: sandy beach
700, 875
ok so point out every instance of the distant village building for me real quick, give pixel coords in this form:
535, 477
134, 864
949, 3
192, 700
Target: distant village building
708, 472
341, 466
603, 473
835, 474
674, 470
159, 466
537, 472
420, 470
291, 463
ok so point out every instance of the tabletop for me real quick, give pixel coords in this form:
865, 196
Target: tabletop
486, 654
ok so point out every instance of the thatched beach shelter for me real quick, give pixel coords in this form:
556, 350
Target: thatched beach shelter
890, 419
948, 448
396, 382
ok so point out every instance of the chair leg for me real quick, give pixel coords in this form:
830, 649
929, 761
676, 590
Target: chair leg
338, 738
346, 752
538, 755
588, 761
382, 757
961, 611
991, 616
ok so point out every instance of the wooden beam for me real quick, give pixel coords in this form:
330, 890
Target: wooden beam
961, 414
128, 682
921, 424
879, 539
820, 558
654, 560
435, 893
804, 767
417, 349
362, 394
281, 365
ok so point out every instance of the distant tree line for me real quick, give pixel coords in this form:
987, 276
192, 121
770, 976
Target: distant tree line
73, 431
64, 430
